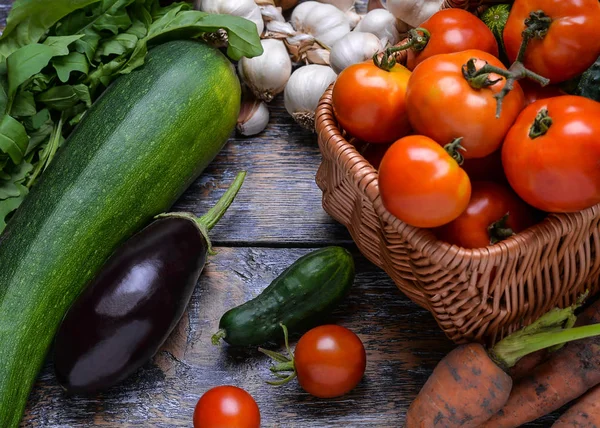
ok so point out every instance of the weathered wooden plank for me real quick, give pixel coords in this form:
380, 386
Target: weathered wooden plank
402, 341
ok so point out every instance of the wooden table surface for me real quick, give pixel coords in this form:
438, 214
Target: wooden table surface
276, 218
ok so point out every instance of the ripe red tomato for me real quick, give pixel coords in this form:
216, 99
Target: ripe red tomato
571, 44
533, 91
374, 153
444, 105
488, 168
551, 155
330, 361
421, 184
453, 30
370, 103
489, 203
226, 407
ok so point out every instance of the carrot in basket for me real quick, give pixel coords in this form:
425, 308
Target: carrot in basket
565, 376
471, 384
585, 413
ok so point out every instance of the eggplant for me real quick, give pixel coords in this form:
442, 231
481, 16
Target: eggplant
129, 309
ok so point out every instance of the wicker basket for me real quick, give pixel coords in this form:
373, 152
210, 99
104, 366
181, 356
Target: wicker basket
475, 295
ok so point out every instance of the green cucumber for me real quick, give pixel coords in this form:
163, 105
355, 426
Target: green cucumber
138, 148
302, 294
496, 17
589, 84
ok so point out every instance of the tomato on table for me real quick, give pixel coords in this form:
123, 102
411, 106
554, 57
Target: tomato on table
494, 213
449, 100
226, 407
370, 102
448, 31
569, 41
330, 361
534, 91
421, 184
551, 155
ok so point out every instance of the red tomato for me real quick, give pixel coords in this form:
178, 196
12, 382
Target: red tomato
488, 168
421, 184
554, 163
453, 30
370, 103
571, 44
489, 203
226, 407
330, 361
374, 153
444, 105
534, 91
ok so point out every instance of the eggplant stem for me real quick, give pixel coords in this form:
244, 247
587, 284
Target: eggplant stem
212, 217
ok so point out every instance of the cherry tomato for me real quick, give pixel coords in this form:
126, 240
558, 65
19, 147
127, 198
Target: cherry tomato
453, 30
374, 153
551, 155
370, 103
489, 204
421, 184
330, 361
226, 407
534, 91
444, 105
571, 44
488, 168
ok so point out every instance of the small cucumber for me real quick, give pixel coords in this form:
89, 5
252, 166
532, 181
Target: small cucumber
495, 17
304, 292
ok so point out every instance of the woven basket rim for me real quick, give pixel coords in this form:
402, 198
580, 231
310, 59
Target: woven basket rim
423, 240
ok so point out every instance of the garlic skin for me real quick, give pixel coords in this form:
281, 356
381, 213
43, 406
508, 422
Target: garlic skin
253, 118
267, 75
304, 90
324, 22
242, 8
382, 24
413, 12
353, 48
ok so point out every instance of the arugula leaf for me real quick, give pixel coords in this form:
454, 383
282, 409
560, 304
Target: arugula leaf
13, 138
117, 45
24, 105
13, 179
29, 20
10, 204
104, 74
62, 98
65, 65
61, 44
39, 128
88, 44
113, 20
25, 63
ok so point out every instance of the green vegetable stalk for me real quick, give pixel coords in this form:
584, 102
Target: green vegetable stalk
55, 61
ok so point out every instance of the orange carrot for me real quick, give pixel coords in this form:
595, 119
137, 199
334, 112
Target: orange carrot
585, 413
471, 383
526, 364
565, 376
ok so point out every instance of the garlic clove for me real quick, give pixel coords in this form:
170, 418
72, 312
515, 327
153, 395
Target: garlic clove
353, 48
318, 56
414, 12
279, 30
304, 91
253, 117
324, 22
272, 13
353, 18
267, 75
383, 24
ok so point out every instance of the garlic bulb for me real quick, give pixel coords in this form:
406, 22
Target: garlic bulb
381, 23
267, 75
413, 12
324, 22
343, 5
242, 8
304, 90
353, 48
253, 118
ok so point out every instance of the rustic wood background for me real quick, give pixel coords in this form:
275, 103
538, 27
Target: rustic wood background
276, 218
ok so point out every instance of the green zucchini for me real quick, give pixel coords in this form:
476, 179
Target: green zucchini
496, 17
589, 84
138, 148
302, 294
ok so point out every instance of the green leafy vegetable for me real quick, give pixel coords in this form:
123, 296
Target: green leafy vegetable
55, 60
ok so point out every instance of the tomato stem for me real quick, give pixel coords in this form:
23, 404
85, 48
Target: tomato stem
537, 25
418, 38
541, 125
285, 362
499, 230
453, 149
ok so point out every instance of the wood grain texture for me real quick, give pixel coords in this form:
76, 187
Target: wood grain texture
276, 218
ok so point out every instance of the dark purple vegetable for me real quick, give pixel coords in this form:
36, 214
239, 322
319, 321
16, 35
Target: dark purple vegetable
127, 312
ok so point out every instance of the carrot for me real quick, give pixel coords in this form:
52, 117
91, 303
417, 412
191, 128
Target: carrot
565, 376
585, 413
471, 384
526, 364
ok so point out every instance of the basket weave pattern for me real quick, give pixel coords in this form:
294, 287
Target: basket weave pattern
475, 295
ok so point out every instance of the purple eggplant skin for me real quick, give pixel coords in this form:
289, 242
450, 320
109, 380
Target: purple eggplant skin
127, 312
